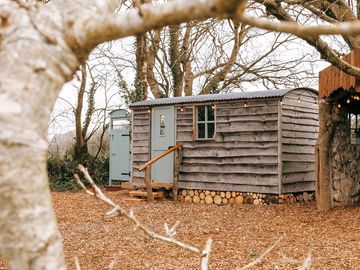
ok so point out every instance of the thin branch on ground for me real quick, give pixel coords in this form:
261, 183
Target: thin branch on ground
262, 257
77, 263
118, 210
307, 263
114, 261
204, 263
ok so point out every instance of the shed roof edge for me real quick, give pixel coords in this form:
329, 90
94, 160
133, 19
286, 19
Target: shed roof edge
265, 94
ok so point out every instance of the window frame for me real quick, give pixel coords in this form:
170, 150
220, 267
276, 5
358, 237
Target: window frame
205, 122
354, 131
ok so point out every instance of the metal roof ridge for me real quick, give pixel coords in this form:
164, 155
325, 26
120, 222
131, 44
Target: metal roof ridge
219, 97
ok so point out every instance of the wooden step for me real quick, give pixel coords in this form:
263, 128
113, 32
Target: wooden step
157, 185
126, 185
138, 193
123, 185
113, 188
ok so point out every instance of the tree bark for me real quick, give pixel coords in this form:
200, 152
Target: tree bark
175, 60
324, 146
186, 62
81, 152
29, 237
152, 51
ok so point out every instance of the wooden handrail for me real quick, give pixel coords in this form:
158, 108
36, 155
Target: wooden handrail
153, 160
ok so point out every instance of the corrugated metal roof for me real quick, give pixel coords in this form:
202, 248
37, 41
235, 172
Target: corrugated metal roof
218, 97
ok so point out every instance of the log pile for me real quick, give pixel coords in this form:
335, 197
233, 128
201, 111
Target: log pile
232, 197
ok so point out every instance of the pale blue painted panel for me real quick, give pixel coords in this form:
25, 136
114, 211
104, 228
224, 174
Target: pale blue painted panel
163, 137
119, 147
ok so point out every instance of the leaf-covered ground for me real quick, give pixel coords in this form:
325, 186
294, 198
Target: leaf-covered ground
240, 234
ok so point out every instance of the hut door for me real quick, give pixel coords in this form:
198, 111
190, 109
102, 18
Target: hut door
162, 138
119, 147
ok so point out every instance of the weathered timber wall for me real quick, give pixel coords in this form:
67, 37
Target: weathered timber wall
300, 128
345, 164
140, 142
242, 157
332, 78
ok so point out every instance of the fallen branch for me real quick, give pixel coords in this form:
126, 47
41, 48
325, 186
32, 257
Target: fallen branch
77, 263
261, 258
307, 263
118, 210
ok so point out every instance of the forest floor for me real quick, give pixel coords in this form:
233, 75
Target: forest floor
240, 233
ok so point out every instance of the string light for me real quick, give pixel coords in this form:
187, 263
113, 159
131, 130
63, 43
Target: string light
245, 104
299, 99
339, 105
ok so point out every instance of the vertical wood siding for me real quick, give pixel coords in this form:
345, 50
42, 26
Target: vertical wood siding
300, 127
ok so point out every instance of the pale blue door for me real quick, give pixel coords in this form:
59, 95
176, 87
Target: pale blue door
162, 138
119, 147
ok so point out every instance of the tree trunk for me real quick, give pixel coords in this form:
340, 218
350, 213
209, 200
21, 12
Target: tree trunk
140, 77
152, 51
33, 71
326, 135
81, 151
175, 60
186, 62
29, 236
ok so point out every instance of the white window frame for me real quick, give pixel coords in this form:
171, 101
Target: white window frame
205, 122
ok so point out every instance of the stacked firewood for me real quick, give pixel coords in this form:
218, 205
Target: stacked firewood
232, 197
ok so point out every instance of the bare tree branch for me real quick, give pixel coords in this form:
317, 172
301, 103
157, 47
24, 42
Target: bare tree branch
307, 263
261, 258
118, 210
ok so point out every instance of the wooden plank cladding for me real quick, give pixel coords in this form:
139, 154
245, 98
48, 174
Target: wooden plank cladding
262, 145
243, 154
332, 78
141, 124
299, 133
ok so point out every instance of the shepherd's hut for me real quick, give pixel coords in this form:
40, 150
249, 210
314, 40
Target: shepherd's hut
259, 141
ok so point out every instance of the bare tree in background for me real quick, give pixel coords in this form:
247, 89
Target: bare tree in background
95, 89
215, 56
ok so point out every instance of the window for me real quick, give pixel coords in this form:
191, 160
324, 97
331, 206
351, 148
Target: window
120, 123
162, 125
355, 128
205, 122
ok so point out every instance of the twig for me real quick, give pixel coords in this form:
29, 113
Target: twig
307, 263
77, 263
204, 263
118, 210
261, 258
114, 261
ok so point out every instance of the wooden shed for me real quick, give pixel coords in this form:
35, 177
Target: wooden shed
260, 141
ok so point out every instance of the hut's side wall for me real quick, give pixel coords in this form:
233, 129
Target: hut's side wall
300, 128
242, 157
140, 142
